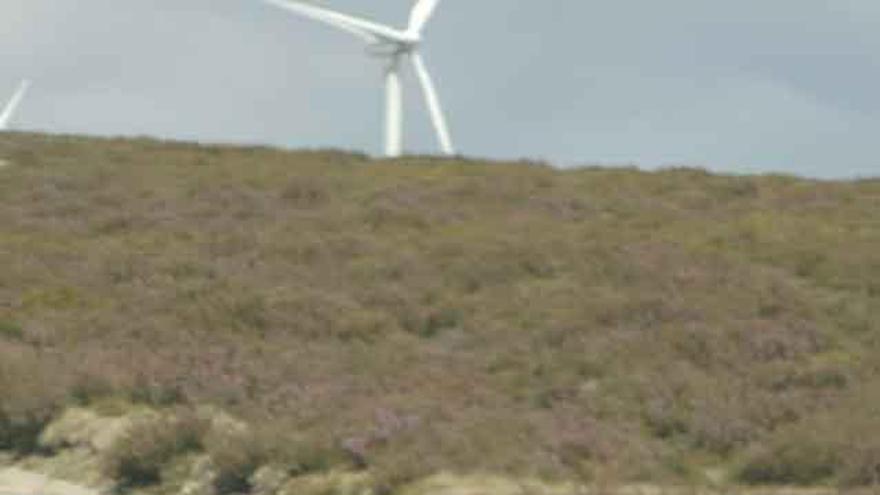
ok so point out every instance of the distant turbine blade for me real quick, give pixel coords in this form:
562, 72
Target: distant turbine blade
433, 102
393, 112
421, 14
369, 31
8, 112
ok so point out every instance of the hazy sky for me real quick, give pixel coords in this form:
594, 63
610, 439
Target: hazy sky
736, 86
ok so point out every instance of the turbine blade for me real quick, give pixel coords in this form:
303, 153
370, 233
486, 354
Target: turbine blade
433, 102
13, 104
369, 31
393, 112
421, 14
317, 14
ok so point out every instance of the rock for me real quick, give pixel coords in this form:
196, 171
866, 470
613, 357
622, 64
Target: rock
448, 484
75, 428
109, 431
79, 427
197, 487
20, 482
76, 465
333, 483
268, 480
201, 478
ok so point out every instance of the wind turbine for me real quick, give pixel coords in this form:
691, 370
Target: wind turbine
10, 107
392, 45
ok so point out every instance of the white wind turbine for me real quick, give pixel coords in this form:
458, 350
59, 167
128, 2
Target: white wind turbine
393, 45
13, 104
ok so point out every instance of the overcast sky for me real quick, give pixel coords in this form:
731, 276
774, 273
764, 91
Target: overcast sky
735, 86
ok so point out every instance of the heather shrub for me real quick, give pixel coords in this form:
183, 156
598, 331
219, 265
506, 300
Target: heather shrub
858, 423
794, 460
306, 192
838, 446
535, 321
860, 462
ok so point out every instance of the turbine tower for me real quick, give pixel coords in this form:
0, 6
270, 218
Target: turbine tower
394, 46
10, 107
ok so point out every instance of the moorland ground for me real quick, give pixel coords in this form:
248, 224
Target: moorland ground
419, 315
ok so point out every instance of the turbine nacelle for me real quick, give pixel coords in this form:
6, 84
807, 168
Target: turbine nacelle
412, 39
391, 50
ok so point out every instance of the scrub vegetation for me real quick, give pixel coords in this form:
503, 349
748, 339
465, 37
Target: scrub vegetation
409, 317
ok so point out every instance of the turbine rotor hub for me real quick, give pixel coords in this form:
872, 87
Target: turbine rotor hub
391, 49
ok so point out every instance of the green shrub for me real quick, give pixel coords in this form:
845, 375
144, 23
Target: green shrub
31, 392
137, 458
235, 455
11, 330
20, 433
307, 455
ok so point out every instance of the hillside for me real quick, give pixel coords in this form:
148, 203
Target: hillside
404, 318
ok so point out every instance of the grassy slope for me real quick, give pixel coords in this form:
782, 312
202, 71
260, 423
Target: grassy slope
457, 315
